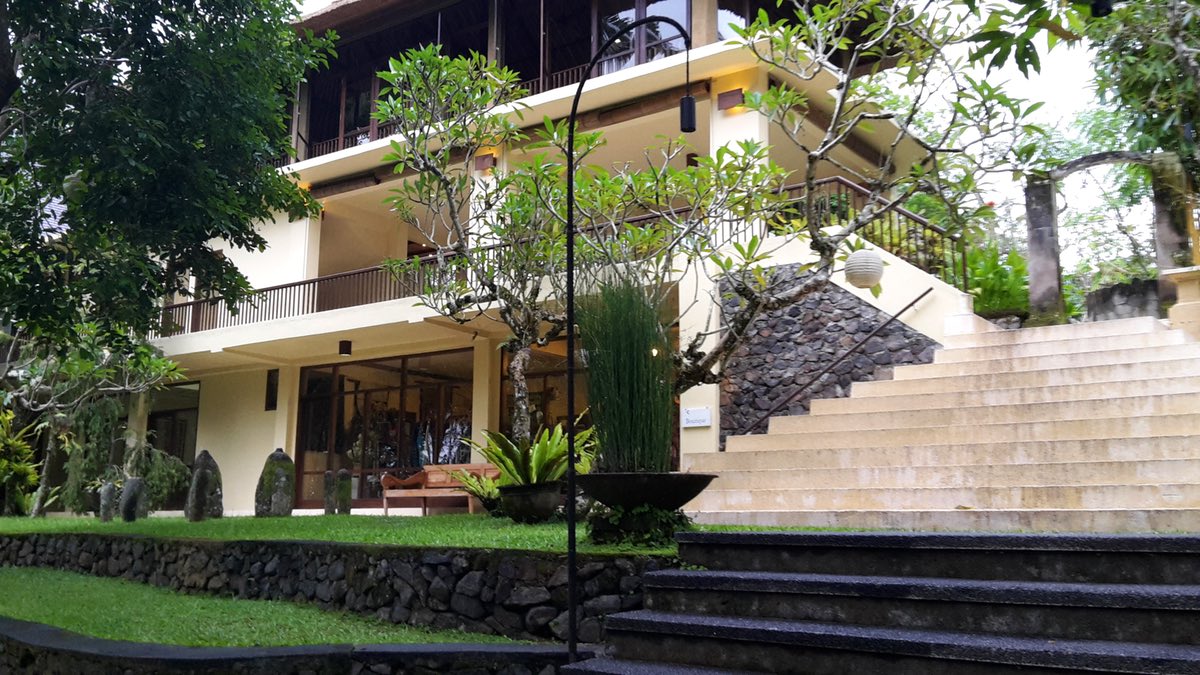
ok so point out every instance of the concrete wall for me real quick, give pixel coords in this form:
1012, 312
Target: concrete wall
291, 247
237, 431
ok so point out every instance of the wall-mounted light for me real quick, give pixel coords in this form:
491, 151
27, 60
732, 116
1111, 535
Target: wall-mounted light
344, 348
730, 99
485, 162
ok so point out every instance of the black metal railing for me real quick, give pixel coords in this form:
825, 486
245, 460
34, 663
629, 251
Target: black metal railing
898, 231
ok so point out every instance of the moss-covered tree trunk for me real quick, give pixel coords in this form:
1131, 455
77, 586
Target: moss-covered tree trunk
519, 415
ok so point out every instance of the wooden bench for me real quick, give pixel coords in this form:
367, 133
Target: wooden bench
435, 482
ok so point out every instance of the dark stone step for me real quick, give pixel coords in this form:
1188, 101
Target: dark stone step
816, 648
620, 667
1119, 612
1082, 558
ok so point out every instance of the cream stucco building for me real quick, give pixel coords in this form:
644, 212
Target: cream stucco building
412, 385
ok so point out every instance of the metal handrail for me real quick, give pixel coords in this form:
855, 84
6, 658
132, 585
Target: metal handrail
825, 371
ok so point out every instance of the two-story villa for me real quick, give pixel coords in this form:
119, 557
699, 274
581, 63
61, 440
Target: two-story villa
336, 362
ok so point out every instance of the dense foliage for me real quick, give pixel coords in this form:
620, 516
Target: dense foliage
18, 472
133, 135
999, 281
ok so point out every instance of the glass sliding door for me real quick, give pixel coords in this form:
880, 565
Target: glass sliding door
386, 415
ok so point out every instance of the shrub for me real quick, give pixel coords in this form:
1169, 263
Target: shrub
999, 281
630, 377
542, 461
18, 471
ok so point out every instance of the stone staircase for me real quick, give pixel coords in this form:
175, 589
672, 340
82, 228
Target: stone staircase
902, 603
1089, 427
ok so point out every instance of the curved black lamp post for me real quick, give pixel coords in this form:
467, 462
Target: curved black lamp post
687, 124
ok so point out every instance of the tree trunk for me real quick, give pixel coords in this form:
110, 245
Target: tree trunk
43, 490
1172, 243
520, 407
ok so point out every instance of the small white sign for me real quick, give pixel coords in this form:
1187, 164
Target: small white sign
697, 417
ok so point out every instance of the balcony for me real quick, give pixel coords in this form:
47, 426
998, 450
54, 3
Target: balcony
321, 294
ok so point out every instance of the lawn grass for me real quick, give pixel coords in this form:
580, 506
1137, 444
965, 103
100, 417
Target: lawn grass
123, 610
446, 531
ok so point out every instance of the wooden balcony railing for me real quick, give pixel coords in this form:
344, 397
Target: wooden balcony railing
335, 291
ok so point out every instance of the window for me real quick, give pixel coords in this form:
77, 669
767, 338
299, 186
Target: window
272, 398
392, 414
649, 42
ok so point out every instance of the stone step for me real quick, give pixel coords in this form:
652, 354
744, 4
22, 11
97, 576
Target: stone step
624, 667
1132, 406
1080, 611
817, 648
1179, 495
1137, 325
989, 397
1101, 520
1180, 352
1064, 347
1098, 376
1060, 430
1014, 452
1069, 558
1145, 472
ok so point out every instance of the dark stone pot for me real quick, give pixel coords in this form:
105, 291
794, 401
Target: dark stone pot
531, 503
667, 491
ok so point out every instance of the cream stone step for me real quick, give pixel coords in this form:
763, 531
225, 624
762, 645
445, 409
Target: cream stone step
1117, 427
1142, 324
1012, 396
1061, 347
1131, 406
1098, 375
1145, 472
1022, 452
975, 520
1167, 495
1181, 352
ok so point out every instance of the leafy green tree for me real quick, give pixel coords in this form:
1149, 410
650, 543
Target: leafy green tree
133, 134
54, 384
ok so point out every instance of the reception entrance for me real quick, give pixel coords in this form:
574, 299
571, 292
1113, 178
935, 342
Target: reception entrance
395, 414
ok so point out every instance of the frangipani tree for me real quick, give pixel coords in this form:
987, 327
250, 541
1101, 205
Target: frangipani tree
847, 73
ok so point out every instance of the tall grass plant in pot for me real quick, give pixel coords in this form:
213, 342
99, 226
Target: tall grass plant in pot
631, 378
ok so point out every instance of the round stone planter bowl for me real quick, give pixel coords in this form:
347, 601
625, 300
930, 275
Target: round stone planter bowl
531, 503
668, 491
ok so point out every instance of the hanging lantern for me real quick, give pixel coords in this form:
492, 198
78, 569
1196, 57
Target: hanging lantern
864, 268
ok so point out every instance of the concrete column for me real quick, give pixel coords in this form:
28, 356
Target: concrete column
287, 409
703, 403
1045, 272
704, 22
1172, 240
485, 390
1185, 313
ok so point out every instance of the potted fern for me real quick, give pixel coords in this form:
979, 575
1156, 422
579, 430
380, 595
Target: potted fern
530, 488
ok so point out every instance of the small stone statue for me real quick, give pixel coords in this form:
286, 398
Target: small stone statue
133, 496
204, 499
343, 492
276, 491
108, 502
330, 494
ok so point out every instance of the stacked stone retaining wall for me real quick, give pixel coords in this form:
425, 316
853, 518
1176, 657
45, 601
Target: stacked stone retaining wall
519, 594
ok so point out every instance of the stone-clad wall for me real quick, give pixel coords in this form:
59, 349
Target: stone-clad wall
789, 347
519, 594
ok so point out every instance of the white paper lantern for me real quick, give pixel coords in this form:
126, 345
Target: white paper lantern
864, 268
